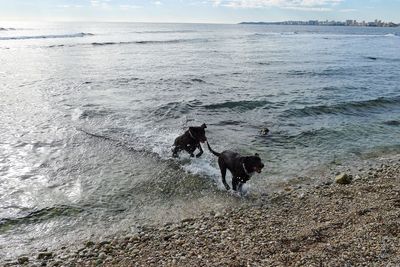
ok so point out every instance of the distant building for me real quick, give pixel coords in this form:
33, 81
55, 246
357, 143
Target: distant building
350, 22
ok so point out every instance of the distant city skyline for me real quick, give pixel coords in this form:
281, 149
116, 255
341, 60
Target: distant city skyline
200, 11
375, 23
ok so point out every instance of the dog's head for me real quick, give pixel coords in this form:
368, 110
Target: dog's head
253, 163
199, 133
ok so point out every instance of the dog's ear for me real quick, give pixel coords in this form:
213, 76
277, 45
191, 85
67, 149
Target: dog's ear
204, 126
257, 155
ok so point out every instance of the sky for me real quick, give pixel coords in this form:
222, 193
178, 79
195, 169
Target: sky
199, 11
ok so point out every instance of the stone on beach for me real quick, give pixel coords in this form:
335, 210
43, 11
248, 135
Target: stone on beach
343, 178
44, 255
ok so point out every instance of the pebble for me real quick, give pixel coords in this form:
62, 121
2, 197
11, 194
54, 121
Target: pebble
343, 178
44, 255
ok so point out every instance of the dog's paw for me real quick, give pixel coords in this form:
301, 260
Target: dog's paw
198, 155
192, 155
243, 190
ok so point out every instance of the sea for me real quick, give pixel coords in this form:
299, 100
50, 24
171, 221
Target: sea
89, 113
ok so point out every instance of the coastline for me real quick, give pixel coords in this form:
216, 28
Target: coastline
326, 224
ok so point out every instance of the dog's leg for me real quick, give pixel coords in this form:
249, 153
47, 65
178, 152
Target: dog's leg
240, 188
175, 152
235, 182
222, 167
190, 149
201, 151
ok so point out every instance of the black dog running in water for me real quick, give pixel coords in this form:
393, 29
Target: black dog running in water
242, 168
190, 140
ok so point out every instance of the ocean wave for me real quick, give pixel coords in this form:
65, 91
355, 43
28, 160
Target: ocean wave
261, 35
166, 31
39, 215
173, 41
240, 105
124, 80
51, 36
392, 35
94, 113
107, 43
326, 72
230, 122
173, 109
264, 63
346, 108
52, 46
7, 29
132, 42
315, 133
197, 80
156, 143
382, 58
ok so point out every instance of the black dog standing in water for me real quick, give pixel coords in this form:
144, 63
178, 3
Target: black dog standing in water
190, 140
242, 168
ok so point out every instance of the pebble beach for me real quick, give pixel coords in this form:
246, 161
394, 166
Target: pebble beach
328, 224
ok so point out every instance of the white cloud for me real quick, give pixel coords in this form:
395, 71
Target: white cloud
307, 5
127, 7
348, 10
69, 6
304, 8
100, 3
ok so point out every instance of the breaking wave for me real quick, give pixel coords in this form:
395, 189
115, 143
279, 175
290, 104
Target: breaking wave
174, 41
39, 215
166, 31
346, 108
241, 105
51, 36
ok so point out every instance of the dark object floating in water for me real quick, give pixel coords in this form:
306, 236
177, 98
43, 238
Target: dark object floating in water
263, 63
392, 123
264, 131
52, 46
372, 58
198, 80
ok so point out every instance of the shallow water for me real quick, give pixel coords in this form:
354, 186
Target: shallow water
89, 113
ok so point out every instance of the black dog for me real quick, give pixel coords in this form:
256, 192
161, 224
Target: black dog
190, 140
242, 168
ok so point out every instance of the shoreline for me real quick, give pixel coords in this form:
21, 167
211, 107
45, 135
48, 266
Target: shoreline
328, 223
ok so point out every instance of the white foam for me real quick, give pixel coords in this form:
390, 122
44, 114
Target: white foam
50, 36
160, 141
76, 114
148, 136
202, 166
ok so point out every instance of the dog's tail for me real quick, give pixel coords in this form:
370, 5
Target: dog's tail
212, 151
